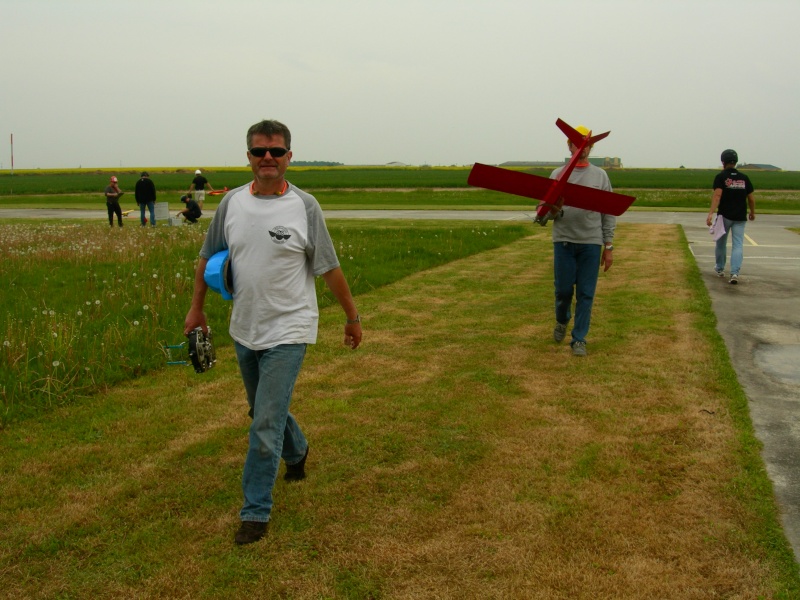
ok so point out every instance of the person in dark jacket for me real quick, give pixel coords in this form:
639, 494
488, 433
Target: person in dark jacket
145, 193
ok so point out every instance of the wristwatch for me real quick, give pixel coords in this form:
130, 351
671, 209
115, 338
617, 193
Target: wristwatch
609, 246
354, 321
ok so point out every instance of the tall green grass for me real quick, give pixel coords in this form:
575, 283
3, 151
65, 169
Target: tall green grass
86, 306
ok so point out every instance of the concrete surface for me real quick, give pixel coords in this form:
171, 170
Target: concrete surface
759, 319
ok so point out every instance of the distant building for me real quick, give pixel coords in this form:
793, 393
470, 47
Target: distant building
759, 167
605, 162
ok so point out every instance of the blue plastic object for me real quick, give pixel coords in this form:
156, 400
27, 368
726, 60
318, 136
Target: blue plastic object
218, 275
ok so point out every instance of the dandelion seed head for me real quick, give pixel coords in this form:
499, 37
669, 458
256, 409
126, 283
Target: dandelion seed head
56, 363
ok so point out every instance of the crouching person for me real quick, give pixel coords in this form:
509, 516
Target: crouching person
192, 211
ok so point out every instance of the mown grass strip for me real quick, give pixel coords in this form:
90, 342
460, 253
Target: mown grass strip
459, 453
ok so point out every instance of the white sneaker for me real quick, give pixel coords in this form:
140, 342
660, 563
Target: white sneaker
720, 273
734, 279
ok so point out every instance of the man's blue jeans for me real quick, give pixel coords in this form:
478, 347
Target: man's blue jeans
736, 229
152, 207
269, 377
576, 268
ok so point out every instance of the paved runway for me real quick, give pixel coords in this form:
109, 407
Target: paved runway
759, 319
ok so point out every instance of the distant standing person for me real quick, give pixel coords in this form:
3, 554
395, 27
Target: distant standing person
192, 211
145, 193
198, 188
733, 193
112, 201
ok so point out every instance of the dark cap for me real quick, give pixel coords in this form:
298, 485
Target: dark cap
145, 174
729, 156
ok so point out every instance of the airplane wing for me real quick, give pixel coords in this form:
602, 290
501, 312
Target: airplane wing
534, 186
609, 203
508, 181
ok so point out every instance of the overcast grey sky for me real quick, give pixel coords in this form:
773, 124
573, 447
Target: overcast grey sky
143, 83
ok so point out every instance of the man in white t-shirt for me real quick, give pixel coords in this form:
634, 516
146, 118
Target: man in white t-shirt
278, 243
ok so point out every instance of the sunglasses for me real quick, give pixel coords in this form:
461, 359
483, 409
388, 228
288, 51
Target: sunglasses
261, 152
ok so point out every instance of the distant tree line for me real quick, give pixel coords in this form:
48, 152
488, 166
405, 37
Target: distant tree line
316, 163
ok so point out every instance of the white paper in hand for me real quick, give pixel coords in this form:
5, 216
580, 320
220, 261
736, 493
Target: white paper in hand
717, 230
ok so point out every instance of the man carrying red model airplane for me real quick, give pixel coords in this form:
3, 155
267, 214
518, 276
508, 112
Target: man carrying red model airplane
578, 197
582, 242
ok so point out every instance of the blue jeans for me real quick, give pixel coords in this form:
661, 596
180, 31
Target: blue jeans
269, 377
152, 207
736, 228
576, 268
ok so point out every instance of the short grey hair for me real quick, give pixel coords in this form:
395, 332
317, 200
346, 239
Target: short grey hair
269, 128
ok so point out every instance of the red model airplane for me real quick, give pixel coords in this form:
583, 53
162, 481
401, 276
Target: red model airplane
553, 193
219, 192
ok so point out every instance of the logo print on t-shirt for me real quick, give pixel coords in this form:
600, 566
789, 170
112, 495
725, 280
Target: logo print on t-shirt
280, 234
735, 184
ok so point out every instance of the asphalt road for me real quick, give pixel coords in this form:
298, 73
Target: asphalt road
759, 319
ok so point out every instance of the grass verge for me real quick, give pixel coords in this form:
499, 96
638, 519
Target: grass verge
767, 201
460, 453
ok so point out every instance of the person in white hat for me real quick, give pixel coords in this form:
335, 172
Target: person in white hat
198, 188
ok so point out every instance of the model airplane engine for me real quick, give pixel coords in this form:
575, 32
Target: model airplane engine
201, 350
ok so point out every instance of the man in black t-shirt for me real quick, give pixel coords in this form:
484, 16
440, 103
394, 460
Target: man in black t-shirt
733, 193
192, 211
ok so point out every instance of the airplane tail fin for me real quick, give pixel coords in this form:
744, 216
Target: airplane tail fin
576, 137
